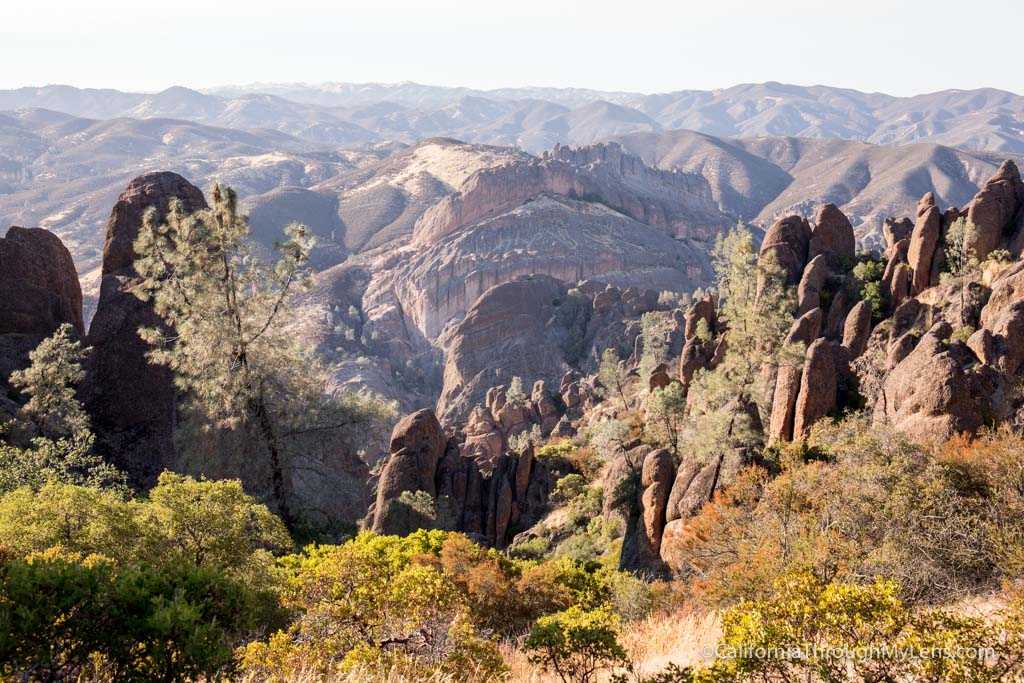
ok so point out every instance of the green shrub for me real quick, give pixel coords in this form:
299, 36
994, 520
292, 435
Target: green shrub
63, 618
576, 644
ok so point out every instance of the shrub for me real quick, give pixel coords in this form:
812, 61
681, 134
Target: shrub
810, 629
577, 644
62, 617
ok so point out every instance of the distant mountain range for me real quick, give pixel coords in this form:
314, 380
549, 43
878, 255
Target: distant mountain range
534, 119
360, 164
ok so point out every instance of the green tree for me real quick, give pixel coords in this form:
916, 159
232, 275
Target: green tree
253, 397
613, 376
203, 523
577, 644
516, 394
961, 257
69, 461
53, 409
666, 410
757, 309
655, 345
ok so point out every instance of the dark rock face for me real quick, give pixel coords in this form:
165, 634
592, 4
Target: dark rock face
154, 190
132, 402
895, 231
832, 235
514, 494
787, 242
39, 288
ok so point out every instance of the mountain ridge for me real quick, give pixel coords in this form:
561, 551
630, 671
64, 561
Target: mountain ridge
984, 119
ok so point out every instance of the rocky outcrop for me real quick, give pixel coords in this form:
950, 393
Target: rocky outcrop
818, 386
812, 282
997, 209
39, 288
642, 549
513, 494
534, 328
1003, 318
680, 204
417, 445
786, 243
857, 329
930, 394
505, 334
923, 242
832, 236
131, 401
787, 384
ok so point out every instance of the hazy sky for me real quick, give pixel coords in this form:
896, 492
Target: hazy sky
896, 46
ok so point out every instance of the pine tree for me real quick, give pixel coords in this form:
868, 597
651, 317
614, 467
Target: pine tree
253, 399
756, 308
53, 409
961, 257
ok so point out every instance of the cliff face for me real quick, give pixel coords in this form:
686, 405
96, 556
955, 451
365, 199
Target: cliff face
593, 212
677, 204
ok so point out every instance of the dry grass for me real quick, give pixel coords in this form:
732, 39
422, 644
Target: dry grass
652, 644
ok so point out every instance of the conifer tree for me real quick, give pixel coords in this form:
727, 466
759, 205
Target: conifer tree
50, 382
253, 398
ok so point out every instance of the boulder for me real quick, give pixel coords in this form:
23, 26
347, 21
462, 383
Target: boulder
787, 242
929, 395
818, 386
857, 329
642, 549
417, 445
832, 235
39, 289
808, 294
132, 403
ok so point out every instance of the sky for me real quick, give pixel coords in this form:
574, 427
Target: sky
901, 47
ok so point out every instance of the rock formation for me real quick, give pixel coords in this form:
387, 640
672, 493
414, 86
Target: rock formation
832, 235
923, 241
787, 384
39, 289
514, 494
131, 401
997, 209
642, 549
818, 384
787, 242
